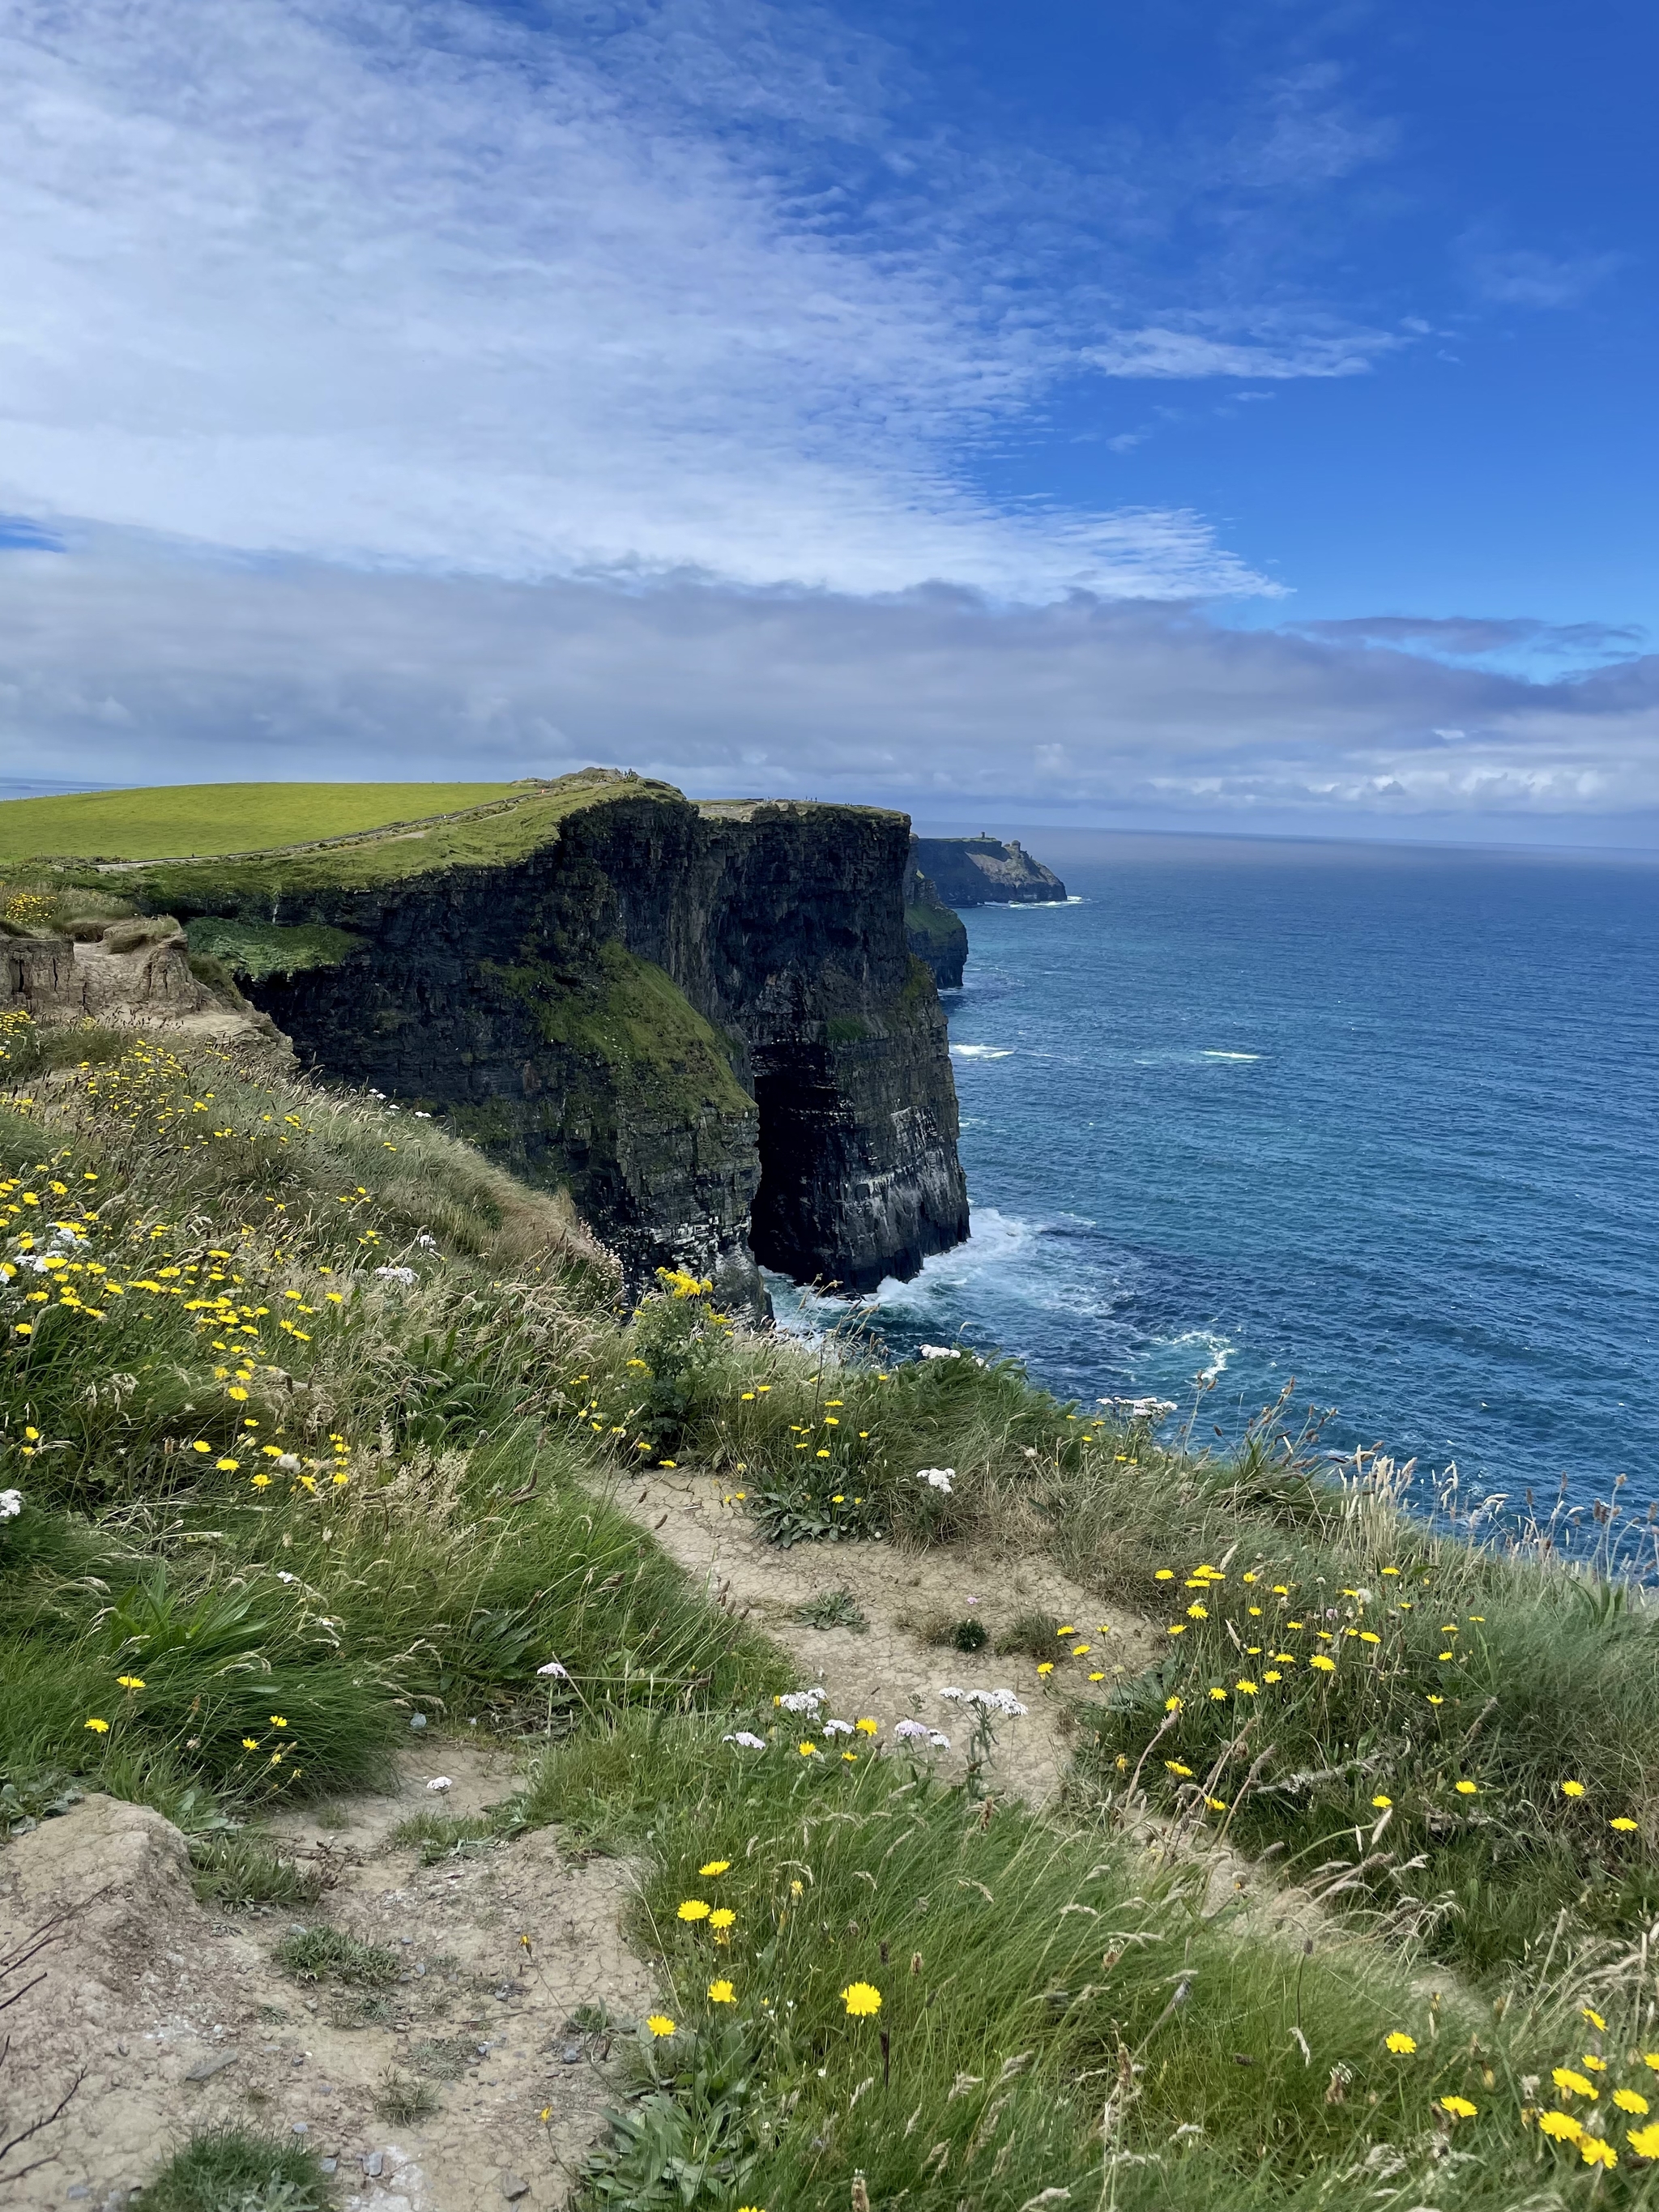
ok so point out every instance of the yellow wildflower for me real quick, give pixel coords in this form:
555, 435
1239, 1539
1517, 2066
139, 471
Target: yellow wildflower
1561, 2127
130, 1681
1466, 1789
716, 1866
1629, 2100
1590, 2012
1459, 2107
98, 1728
1400, 2042
1382, 1803
1564, 2078
721, 1918
250, 1743
1046, 1667
721, 1993
1595, 2152
862, 1999
1644, 2142
1625, 1827
1572, 1789
693, 1909
867, 1727
1325, 1665
659, 2023
806, 1749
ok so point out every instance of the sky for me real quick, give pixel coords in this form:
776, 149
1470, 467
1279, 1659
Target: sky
1232, 418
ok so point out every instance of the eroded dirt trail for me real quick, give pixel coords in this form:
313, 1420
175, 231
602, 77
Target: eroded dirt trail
891, 1670
180, 2020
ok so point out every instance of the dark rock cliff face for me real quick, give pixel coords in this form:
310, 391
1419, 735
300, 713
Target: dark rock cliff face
984, 871
706, 1021
935, 931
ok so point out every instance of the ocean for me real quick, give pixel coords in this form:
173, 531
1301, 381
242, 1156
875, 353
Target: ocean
1378, 1119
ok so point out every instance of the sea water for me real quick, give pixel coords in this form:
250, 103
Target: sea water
1380, 1120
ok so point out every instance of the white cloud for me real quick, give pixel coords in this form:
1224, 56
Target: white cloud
125, 665
387, 282
1159, 351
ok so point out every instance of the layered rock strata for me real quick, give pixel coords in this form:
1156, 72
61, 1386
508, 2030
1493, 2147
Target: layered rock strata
705, 1021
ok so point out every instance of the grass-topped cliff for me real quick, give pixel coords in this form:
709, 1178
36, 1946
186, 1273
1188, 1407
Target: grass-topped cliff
311, 1423
704, 1022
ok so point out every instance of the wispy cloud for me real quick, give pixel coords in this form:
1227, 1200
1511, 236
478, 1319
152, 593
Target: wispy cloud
1523, 277
401, 283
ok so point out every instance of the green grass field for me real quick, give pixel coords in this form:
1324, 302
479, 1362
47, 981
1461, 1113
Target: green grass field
173, 821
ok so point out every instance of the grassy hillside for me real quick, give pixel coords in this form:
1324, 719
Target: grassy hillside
306, 1410
205, 819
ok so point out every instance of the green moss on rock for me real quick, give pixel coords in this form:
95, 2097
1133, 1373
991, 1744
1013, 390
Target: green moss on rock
256, 949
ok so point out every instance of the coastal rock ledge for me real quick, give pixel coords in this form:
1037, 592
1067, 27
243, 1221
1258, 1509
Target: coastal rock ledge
703, 1019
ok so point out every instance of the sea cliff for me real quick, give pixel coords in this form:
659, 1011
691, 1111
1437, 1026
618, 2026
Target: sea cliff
704, 1020
985, 871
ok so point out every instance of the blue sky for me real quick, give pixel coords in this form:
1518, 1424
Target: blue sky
1190, 417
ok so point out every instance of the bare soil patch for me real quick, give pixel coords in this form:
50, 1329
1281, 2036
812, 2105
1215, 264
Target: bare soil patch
175, 2016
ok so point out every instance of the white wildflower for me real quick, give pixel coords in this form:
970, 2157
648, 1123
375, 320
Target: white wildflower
801, 1701
283, 1576
559, 1674
937, 1478
11, 1504
910, 1730
395, 1274
938, 1351
985, 1701
838, 1727
748, 1741
937, 1741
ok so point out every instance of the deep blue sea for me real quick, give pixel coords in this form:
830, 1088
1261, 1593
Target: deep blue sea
1380, 1119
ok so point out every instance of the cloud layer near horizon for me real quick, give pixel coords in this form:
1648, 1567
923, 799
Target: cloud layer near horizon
929, 699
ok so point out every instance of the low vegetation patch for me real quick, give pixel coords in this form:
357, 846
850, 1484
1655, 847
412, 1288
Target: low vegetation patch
309, 1421
236, 2170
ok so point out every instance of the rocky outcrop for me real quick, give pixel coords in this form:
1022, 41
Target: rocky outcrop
985, 871
127, 974
705, 1021
934, 931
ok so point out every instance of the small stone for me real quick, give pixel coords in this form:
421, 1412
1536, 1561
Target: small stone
301, 2127
79, 2190
373, 2163
205, 2068
417, 1720
329, 2165
513, 2186
571, 2055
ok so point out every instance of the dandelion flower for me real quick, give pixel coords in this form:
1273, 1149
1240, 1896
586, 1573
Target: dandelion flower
721, 1918
693, 1909
1651, 2058
806, 1749
129, 1681
1165, 1575
1575, 2084
1219, 1694
1466, 1789
1172, 1704
659, 2023
1644, 2142
1629, 2100
1561, 2127
1046, 1667
277, 1721
1596, 2065
1273, 1675
1176, 1767
98, 1728
867, 1727
227, 1466
1324, 1665
1572, 1789
1590, 2012
1595, 2152
1625, 1827
1382, 1804
862, 1999
1246, 1689
716, 1866
1196, 1612
1436, 1701
1459, 2107
1400, 2042
721, 1993
250, 1743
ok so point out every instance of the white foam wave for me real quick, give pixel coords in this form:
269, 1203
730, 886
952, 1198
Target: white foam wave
1218, 1350
1229, 1055
981, 1052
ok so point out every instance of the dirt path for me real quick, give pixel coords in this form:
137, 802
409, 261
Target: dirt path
891, 1670
180, 2020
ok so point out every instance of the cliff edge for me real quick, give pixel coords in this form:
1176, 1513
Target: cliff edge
704, 1020
986, 871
